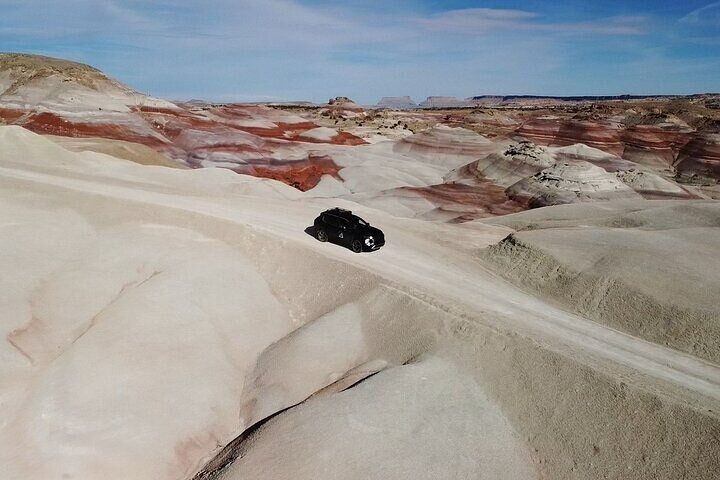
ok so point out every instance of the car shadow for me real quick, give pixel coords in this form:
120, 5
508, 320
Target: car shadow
312, 231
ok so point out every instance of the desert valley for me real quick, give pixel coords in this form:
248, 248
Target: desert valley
545, 307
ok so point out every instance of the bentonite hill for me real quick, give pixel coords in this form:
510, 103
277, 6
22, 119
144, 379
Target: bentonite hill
545, 306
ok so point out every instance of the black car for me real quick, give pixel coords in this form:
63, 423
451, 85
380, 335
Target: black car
342, 227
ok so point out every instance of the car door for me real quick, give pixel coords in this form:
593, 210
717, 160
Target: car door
332, 224
343, 232
328, 224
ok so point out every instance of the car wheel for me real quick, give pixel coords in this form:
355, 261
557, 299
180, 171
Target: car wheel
357, 246
322, 235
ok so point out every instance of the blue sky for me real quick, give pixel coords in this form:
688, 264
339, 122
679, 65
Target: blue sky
245, 50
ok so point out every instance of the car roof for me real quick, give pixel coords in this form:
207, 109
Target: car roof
338, 210
342, 213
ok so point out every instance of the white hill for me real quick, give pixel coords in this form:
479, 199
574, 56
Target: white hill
34, 81
159, 322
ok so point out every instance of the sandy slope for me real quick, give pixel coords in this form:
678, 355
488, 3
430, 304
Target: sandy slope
117, 148
200, 307
340, 432
648, 268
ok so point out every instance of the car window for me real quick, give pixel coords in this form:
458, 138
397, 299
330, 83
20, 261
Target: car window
335, 221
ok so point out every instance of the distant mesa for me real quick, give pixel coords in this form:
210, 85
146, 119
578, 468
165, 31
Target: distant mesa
527, 99
404, 103
444, 102
397, 103
487, 100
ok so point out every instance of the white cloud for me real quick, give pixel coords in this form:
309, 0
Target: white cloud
249, 49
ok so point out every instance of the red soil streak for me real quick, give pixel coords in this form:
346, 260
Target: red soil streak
661, 143
10, 115
646, 144
656, 137
171, 123
342, 138
168, 111
238, 113
561, 132
281, 130
699, 160
347, 138
303, 174
437, 142
49, 123
470, 202
243, 110
229, 148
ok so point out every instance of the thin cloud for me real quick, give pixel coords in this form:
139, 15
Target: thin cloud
621, 25
480, 20
707, 15
78, 18
475, 19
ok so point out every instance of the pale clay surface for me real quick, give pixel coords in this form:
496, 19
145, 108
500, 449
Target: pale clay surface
200, 307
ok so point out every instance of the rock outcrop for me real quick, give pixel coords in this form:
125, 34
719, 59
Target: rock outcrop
651, 185
699, 160
540, 175
342, 108
514, 163
570, 183
342, 101
658, 141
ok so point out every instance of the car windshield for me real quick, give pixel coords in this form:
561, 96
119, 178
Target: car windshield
362, 222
